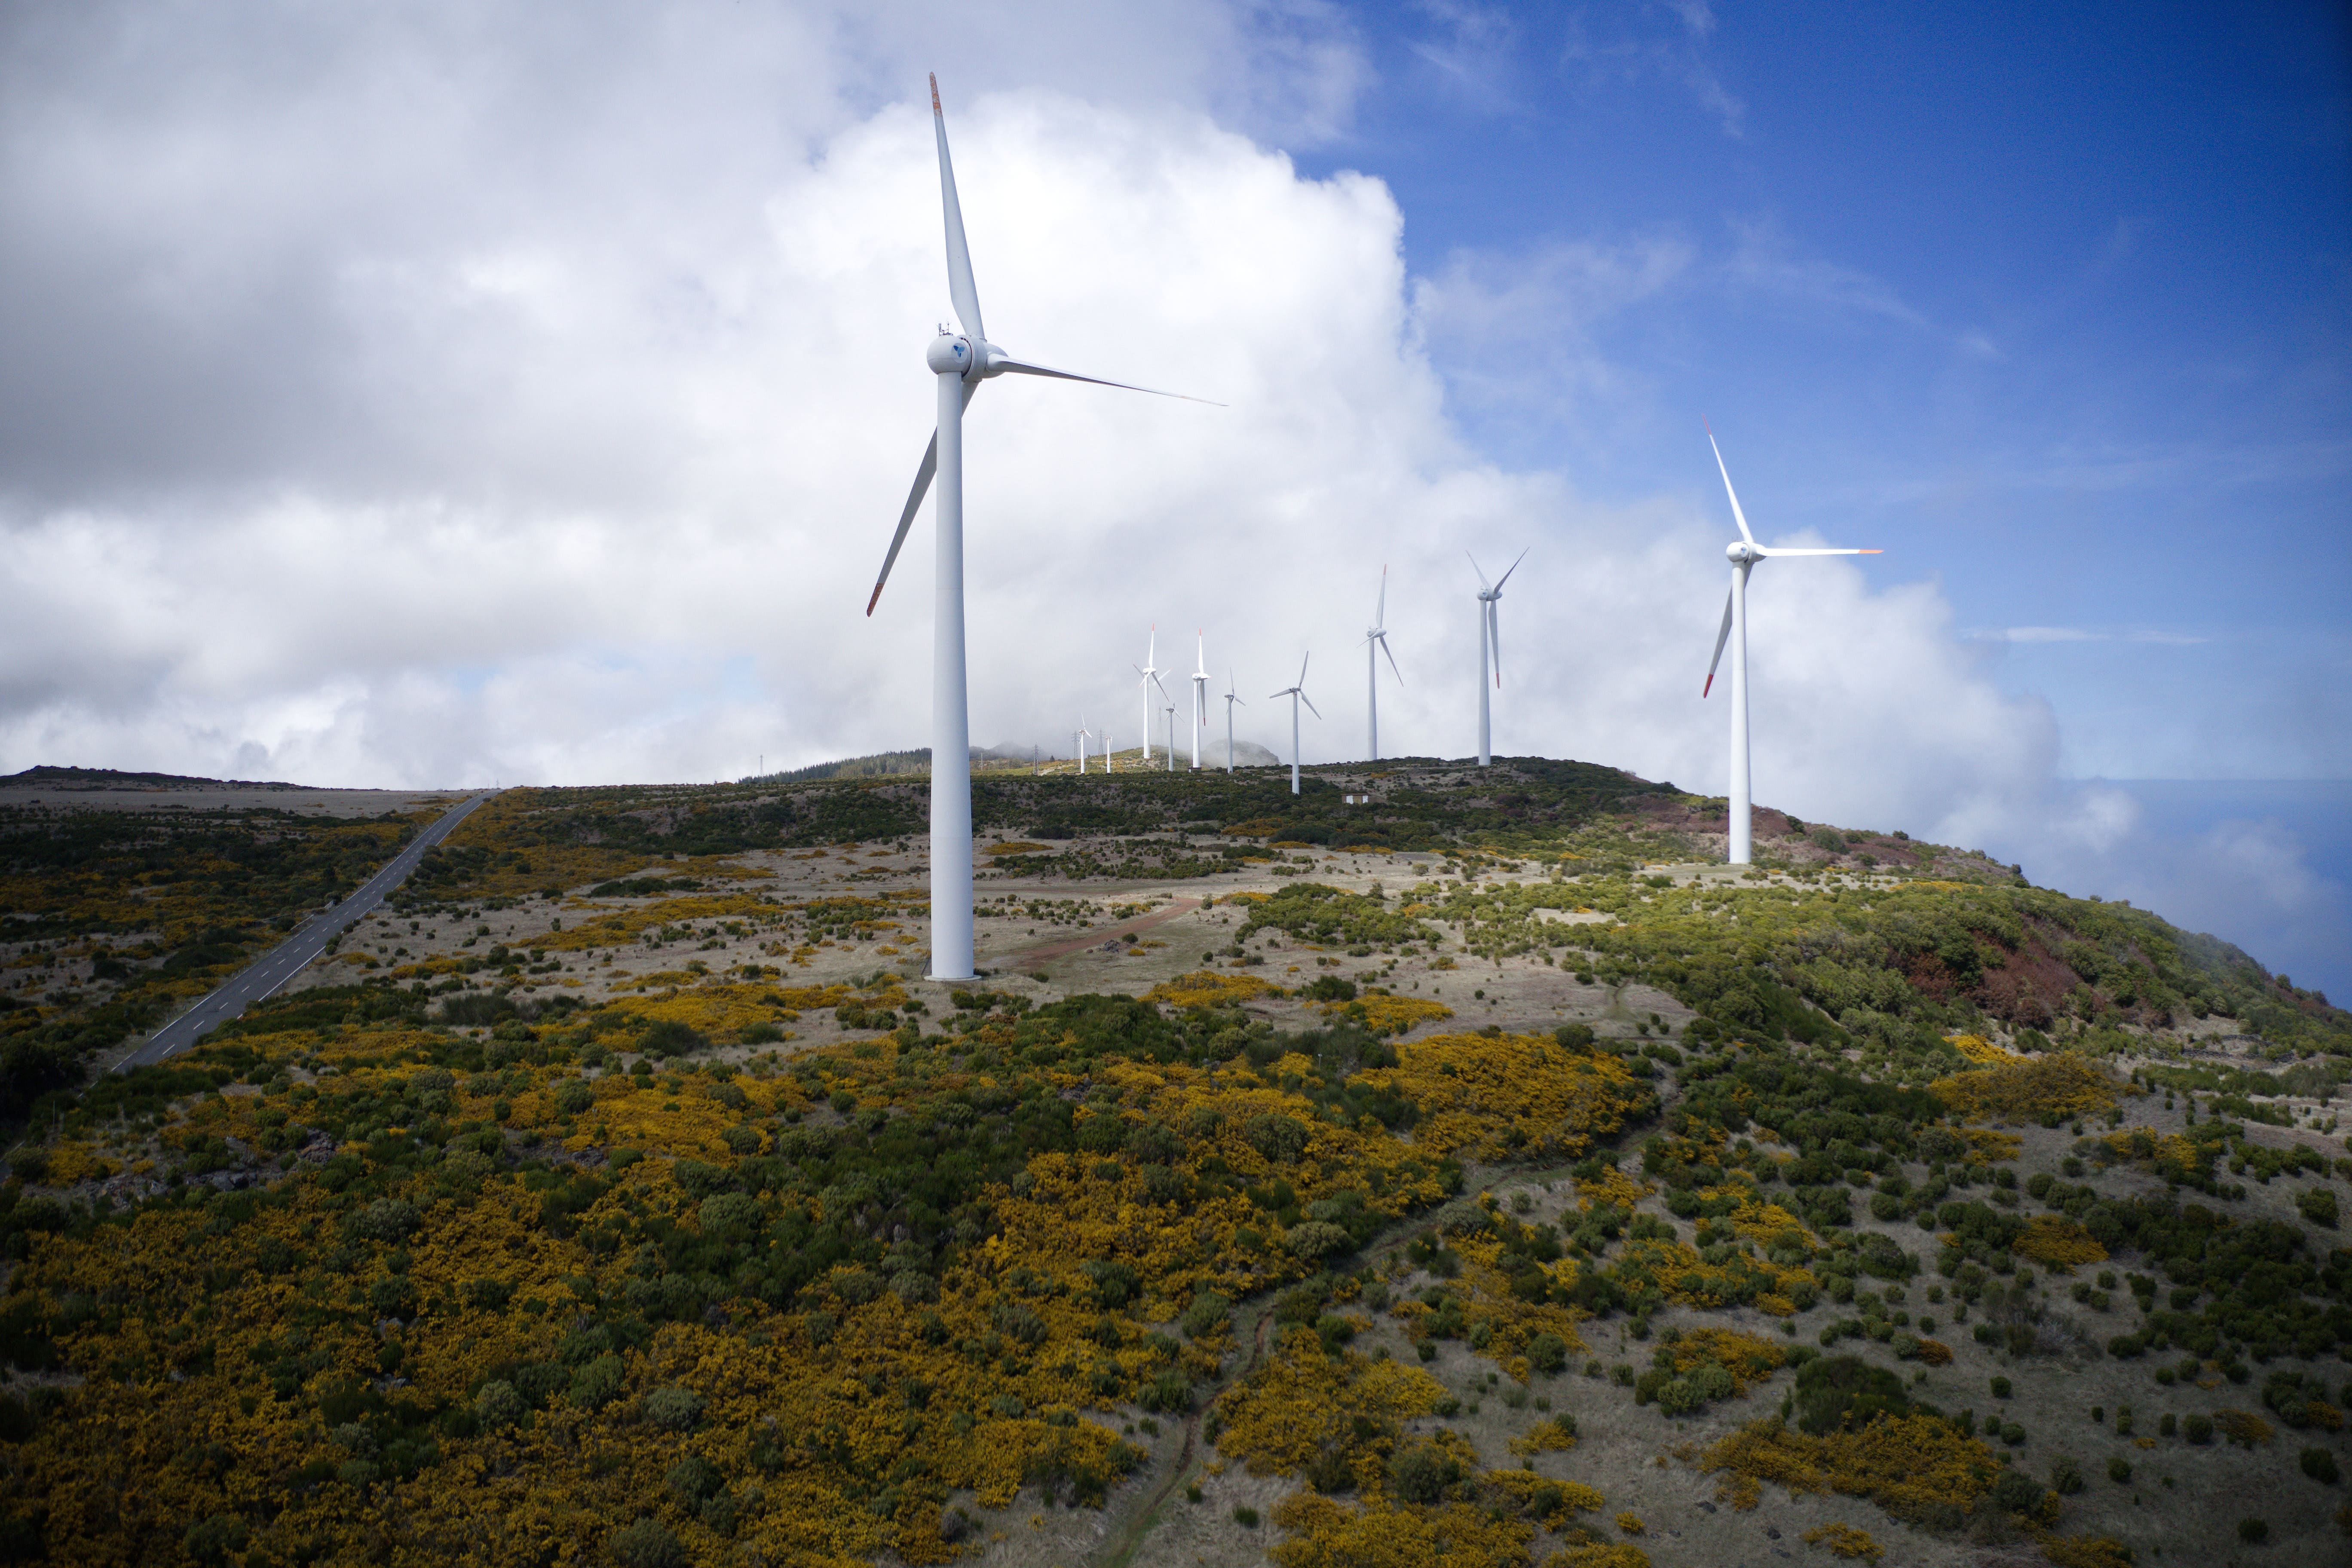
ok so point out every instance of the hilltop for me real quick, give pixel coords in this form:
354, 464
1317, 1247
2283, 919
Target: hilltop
1439, 1154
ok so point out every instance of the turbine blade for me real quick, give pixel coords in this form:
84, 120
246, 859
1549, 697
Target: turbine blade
1479, 569
1722, 635
1310, 705
960, 287
1028, 367
1302, 665
1515, 566
1380, 617
1392, 663
1776, 549
1738, 516
923, 472
1495, 638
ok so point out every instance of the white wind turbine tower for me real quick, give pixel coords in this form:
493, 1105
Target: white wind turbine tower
1147, 676
1490, 639
960, 362
1377, 633
1200, 695
1298, 694
1230, 700
1744, 553
1169, 708
1082, 736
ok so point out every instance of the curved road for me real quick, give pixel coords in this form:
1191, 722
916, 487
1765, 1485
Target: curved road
284, 962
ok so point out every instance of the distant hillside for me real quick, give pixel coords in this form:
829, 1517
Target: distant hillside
110, 778
886, 765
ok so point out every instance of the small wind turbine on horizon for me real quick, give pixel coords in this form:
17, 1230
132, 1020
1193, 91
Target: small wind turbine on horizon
959, 362
1298, 694
1377, 634
1490, 638
1081, 738
1230, 700
1744, 552
1200, 695
1171, 711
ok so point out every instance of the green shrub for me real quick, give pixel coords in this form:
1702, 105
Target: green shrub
2320, 1466
1548, 1353
647, 1543
2066, 1476
2319, 1205
1244, 1516
2253, 1531
1424, 1473
2016, 1492
2119, 1470
2198, 1429
1836, 1390
672, 1409
213, 1540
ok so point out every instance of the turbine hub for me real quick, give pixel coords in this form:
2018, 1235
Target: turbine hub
1739, 552
950, 354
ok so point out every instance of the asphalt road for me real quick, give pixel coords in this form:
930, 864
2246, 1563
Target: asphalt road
284, 962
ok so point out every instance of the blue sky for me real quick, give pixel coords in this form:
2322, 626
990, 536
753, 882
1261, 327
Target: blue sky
2053, 302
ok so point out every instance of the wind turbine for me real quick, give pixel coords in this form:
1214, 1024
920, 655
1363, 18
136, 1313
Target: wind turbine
1200, 695
1168, 706
1298, 694
1490, 637
1377, 633
1230, 700
1146, 676
960, 362
1744, 552
1081, 738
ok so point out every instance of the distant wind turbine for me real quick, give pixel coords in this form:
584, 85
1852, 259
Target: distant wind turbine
1490, 639
1200, 695
1377, 634
1230, 700
1298, 694
960, 362
1147, 676
1083, 736
1744, 553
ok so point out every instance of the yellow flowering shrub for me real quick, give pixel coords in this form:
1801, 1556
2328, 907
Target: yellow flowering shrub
1301, 1405
1987, 1147
1383, 1013
2030, 1088
2086, 1552
1488, 1096
1614, 1187
1321, 1533
1630, 1522
1600, 1554
1977, 1048
1906, 1464
2243, 1427
2059, 1242
1210, 988
1682, 1275
1844, 1540
1748, 1358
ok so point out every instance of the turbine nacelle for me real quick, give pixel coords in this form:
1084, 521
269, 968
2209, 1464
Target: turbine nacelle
1741, 552
949, 354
